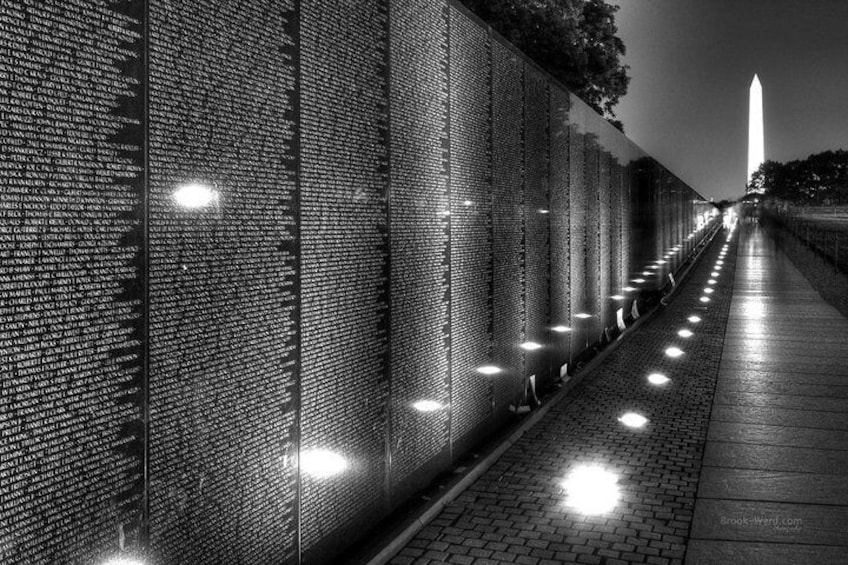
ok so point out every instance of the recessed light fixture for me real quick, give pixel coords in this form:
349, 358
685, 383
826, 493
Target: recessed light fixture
711, 281
489, 370
616, 297
674, 352
694, 319
561, 329
685, 333
709, 290
704, 299
582, 315
629, 288
638, 281
591, 490
633, 420
531, 345
657, 379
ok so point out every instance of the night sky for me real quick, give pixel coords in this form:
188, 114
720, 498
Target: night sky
692, 61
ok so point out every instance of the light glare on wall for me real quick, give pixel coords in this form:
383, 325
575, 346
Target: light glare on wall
427, 405
123, 561
489, 370
322, 463
591, 490
195, 195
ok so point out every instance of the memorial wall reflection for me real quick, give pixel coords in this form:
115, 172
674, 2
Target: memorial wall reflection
270, 267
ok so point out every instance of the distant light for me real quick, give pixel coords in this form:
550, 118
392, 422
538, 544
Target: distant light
123, 561
685, 333
531, 345
709, 290
616, 297
633, 420
694, 319
561, 329
674, 352
591, 490
427, 405
582, 315
322, 463
704, 299
195, 195
657, 379
638, 281
711, 281
489, 370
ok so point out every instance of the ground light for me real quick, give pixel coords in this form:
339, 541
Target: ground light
633, 420
674, 352
591, 489
657, 379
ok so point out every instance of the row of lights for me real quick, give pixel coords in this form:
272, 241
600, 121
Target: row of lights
593, 490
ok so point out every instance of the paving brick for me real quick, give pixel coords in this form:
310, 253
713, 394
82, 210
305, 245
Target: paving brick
517, 511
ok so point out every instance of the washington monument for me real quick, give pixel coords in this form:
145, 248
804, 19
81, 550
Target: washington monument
756, 137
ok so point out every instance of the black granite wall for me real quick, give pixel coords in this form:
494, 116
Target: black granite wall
267, 268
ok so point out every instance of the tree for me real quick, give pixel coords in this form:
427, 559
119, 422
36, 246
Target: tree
574, 40
820, 178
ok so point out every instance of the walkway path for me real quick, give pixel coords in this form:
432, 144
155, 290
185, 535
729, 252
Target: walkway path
754, 419
774, 486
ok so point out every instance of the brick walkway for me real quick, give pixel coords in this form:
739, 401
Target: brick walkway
518, 511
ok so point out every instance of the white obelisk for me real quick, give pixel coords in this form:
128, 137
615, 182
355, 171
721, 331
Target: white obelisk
756, 137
